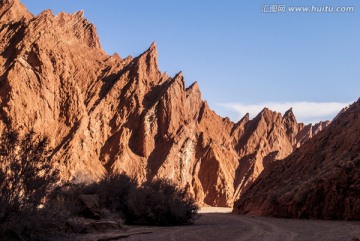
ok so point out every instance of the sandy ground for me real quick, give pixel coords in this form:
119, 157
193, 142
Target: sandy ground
214, 210
219, 224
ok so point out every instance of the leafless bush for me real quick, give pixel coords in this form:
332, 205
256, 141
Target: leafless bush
25, 178
113, 192
153, 203
160, 203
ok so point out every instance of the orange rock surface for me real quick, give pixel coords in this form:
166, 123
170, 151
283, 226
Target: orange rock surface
321, 179
107, 114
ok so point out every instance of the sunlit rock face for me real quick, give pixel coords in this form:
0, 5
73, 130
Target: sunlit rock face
107, 114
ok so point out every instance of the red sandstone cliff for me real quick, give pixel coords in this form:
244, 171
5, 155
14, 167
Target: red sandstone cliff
107, 114
319, 180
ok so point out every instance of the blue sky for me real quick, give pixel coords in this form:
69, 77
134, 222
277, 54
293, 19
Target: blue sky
242, 58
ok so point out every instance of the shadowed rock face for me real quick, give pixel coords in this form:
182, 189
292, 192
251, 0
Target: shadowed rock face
105, 114
319, 180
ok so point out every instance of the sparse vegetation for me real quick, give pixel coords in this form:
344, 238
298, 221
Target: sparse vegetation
153, 203
113, 192
31, 205
160, 203
25, 179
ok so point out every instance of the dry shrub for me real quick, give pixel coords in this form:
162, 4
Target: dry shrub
25, 178
154, 203
160, 203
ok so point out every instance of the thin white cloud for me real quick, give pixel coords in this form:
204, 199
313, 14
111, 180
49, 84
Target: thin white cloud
307, 112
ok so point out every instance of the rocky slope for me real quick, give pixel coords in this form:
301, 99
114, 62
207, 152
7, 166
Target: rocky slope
319, 180
106, 114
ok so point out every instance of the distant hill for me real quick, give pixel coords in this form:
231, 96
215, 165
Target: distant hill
320, 180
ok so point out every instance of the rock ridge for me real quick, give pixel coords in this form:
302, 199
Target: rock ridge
105, 114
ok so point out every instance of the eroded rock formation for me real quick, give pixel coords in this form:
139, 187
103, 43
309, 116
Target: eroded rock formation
106, 114
319, 180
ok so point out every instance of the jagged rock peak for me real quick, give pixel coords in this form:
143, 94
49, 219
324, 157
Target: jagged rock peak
79, 14
194, 87
289, 116
151, 51
116, 56
128, 58
194, 98
13, 10
266, 112
179, 75
165, 76
245, 118
343, 110
152, 46
179, 79
148, 61
69, 25
87, 30
289, 112
46, 13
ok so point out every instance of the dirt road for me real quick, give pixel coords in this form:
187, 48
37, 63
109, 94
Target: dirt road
226, 226
219, 224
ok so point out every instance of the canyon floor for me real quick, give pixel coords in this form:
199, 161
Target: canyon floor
220, 224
